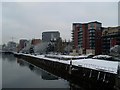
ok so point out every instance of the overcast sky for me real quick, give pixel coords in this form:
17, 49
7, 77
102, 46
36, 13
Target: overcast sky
29, 19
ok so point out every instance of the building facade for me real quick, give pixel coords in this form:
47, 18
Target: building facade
35, 41
22, 44
50, 35
87, 37
110, 38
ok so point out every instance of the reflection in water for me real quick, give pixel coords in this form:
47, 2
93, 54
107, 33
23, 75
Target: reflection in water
31, 67
17, 73
10, 56
47, 76
38, 71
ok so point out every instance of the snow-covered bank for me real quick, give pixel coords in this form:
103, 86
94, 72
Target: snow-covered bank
66, 57
95, 64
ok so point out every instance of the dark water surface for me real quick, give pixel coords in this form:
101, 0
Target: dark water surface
17, 73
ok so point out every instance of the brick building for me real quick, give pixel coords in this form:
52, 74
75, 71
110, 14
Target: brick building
35, 41
22, 44
87, 37
110, 38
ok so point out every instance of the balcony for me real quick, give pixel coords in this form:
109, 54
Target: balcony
92, 34
92, 38
72, 33
92, 41
80, 36
92, 47
80, 32
80, 39
91, 30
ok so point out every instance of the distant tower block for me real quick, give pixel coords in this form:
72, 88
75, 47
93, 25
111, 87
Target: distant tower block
49, 35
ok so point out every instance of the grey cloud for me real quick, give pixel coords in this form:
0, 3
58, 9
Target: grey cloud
30, 19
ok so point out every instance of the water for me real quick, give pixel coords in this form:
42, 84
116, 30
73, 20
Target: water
17, 73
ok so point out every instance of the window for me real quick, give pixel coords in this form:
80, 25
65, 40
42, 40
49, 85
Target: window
92, 25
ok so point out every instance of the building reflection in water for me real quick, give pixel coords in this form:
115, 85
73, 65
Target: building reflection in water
44, 75
10, 56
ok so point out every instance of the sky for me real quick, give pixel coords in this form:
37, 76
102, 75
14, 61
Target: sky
27, 20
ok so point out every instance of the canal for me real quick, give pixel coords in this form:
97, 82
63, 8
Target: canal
18, 73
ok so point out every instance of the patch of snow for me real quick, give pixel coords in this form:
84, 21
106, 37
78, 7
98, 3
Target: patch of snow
107, 66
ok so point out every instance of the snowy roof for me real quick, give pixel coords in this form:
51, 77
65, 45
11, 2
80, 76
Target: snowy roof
96, 64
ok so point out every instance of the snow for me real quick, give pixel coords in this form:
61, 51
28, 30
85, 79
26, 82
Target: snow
96, 64
102, 56
106, 66
66, 56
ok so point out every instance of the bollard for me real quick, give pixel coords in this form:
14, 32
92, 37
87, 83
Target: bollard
70, 68
90, 74
98, 76
104, 77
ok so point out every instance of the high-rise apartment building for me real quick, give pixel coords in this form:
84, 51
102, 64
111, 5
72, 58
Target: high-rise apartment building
87, 37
